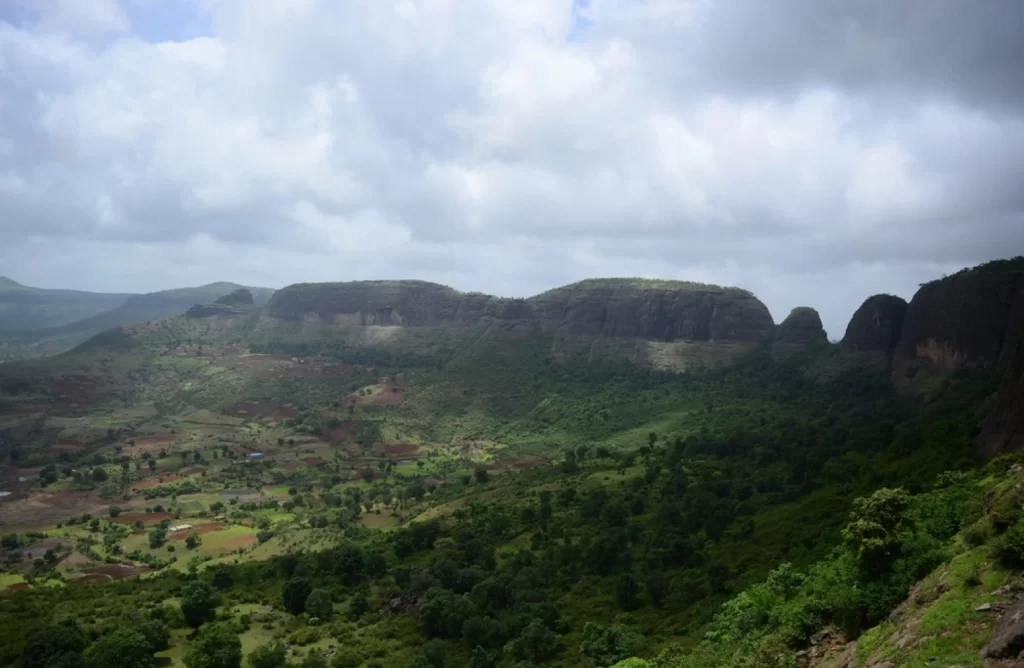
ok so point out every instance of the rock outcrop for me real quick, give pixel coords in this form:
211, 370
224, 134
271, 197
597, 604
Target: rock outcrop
635, 308
801, 326
240, 297
654, 310
877, 325
1003, 430
236, 302
968, 319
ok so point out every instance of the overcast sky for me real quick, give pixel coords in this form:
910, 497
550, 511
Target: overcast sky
812, 151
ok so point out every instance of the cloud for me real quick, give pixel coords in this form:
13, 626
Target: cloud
813, 151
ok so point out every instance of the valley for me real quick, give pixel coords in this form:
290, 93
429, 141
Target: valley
395, 473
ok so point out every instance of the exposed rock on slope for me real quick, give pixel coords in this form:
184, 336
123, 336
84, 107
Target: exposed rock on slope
653, 310
966, 320
803, 326
234, 303
240, 297
876, 326
1004, 429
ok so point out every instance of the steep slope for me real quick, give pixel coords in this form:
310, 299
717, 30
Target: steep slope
661, 324
23, 307
876, 326
1003, 431
802, 326
967, 319
625, 308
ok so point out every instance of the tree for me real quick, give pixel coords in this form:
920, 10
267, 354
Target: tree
358, 605
876, 528
537, 643
271, 655
222, 578
481, 475
56, 645
192, 541
319, 604
313, 660
375, 564
480, 658
114, 511
198, 603
626, 593
657, 586
155, 632
157, 536
124, 648
296, 591
99, 474
216, 647
433, 652
349, 564
607, 645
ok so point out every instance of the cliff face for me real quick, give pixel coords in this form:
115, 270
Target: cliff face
1004, 429
803, 326
966, 320
876, 326
659, 311
653, 310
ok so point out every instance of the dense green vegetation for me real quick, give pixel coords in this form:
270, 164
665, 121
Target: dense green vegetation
670, 496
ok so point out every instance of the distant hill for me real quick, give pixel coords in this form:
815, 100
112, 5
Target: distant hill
31, 343
25, 307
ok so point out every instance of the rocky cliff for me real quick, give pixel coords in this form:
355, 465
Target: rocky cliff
801, 326
240, 297
1003, 430
633, 308
968, 319
877, 325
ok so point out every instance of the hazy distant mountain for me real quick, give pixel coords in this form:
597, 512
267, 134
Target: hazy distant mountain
24, 307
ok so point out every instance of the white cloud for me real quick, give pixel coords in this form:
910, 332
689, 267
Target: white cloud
511, 146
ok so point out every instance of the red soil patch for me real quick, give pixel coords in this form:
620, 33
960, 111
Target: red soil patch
201, 529
63, 445
149, 483
263, 409
340, 434
149, 518
21, 586
401, 449
239, 541
312, 461
87, 579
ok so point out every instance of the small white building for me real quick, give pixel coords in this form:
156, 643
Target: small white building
180, 527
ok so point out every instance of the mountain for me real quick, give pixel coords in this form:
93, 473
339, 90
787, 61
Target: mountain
24, 307
802, 326
617, 470
135, 309
877, 325
671, 324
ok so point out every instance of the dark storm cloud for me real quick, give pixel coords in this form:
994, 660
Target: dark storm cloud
813, 151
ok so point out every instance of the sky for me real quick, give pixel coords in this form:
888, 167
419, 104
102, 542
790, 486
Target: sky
814, 152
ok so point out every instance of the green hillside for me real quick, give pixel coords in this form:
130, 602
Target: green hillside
23, 343
23, 307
